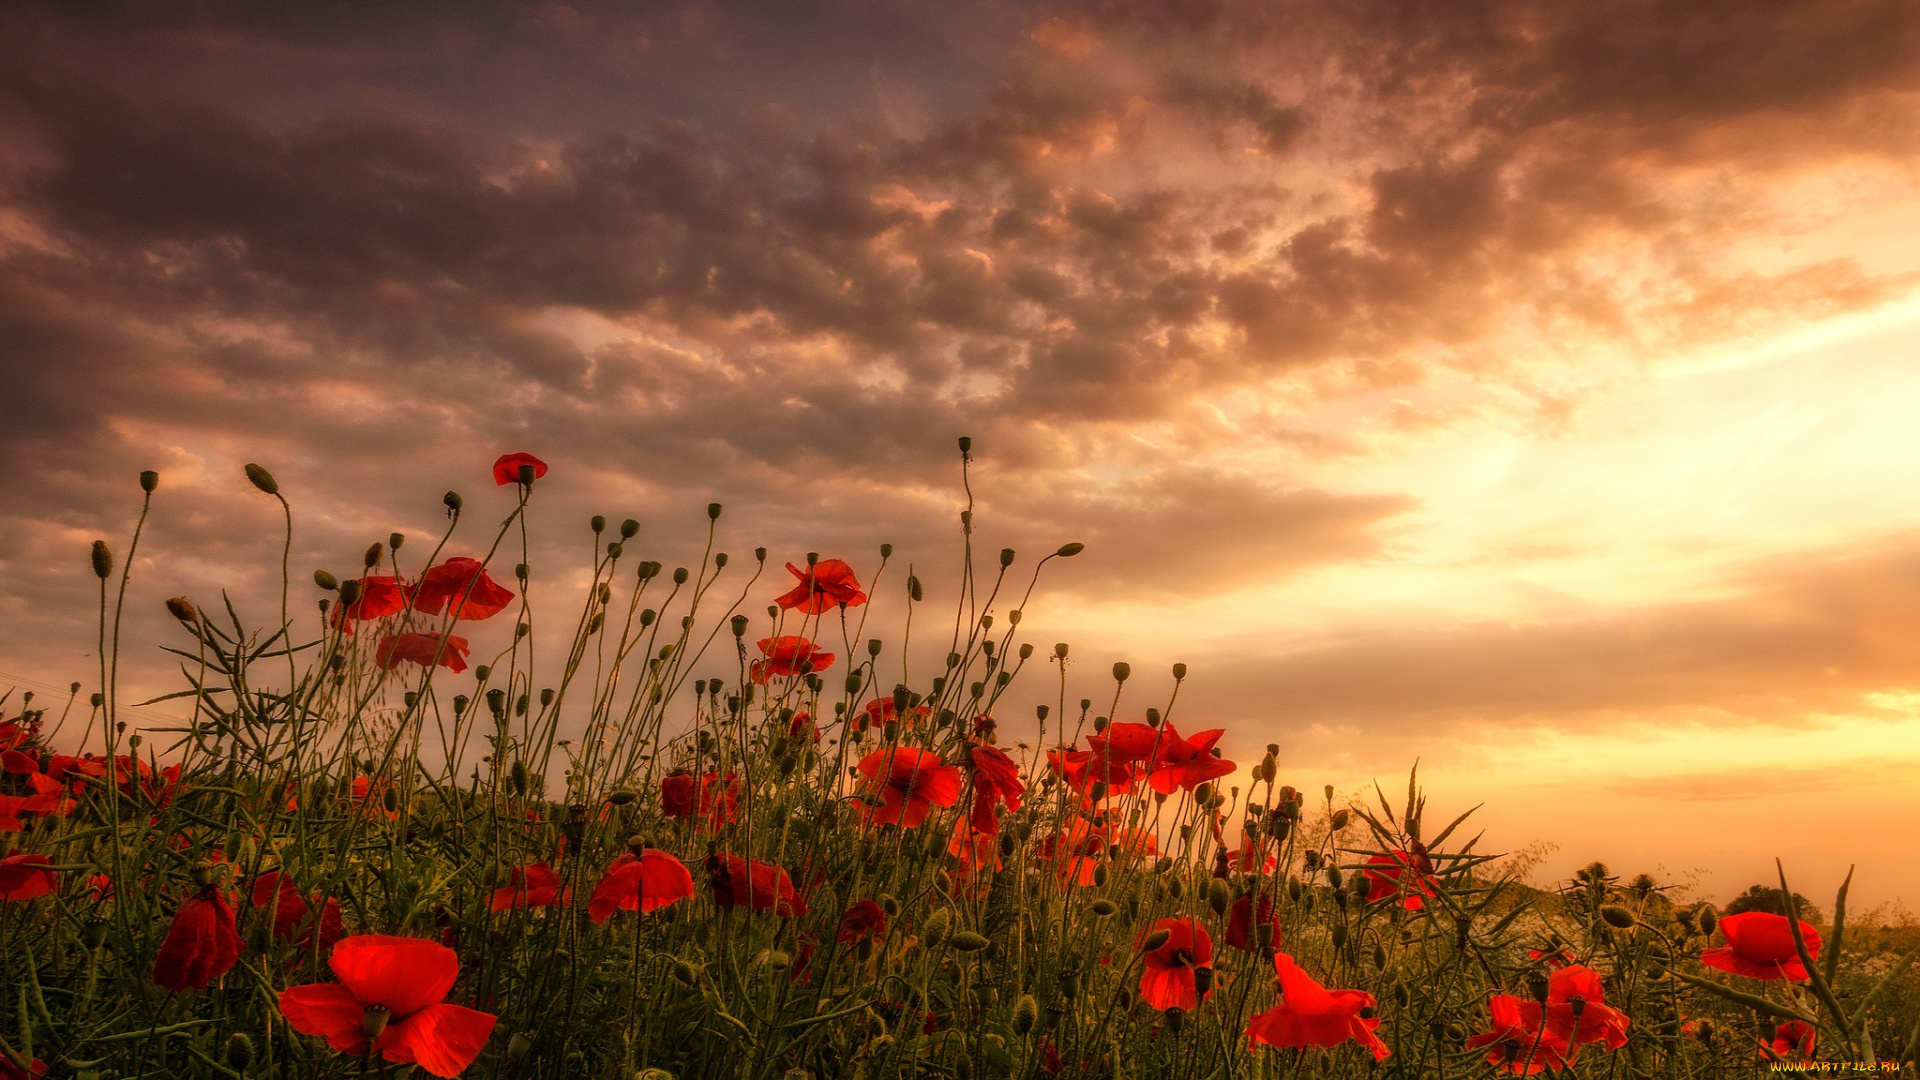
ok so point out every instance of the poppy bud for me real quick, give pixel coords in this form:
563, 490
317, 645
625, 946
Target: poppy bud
1100, 875
934, 930
325, 580
1026, 1013
686, 973
1339, 935
239, 1052
1340, 819
1121, 670
452, 500
391, 800
1380, 957
1217, 897
1340, 899
680, 576
518, 776
1617, 916
1068, 551
1155, 940
1333, 875
968, 941
1707, 918
102, 560
262, 479
1007, 844
180, 609
913, 589
1102, 908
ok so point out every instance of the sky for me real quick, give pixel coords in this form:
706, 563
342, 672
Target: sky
1521, 388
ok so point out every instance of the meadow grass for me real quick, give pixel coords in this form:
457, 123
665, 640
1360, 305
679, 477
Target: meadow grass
723, 844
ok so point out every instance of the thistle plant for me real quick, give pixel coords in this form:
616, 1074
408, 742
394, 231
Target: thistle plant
724, 839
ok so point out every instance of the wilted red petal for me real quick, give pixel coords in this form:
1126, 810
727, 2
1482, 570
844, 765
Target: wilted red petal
202, 943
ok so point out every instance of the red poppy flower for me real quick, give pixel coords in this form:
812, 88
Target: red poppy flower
422, 649
1388, 881
461, 585
1793, 1038
370, 798
1519, 1044
1075, 853
1760, 946
1577, 1009
507, 469
1050, 1063
787, 656
379, 597
391, 999
862, 921
996, 781
99, 887
975, 850
10, 1071
534, 885
25, 877
736, 881
1127, 742
291, 913
824, 585
644, 883
11, 734
202, 944
911, 782
881, 710
1168, 982
1184, 764
1081, 769
19, 763
802, 724
712, 796
1552, 958
1241, 922
1309, 1014
801, 970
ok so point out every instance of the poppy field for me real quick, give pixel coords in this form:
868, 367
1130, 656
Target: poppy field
726, 829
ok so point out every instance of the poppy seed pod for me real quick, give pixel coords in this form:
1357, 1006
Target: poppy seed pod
679, 575
453, 501
1339, 935
262, 479
1068, 551
713, 511
1121, 670
966, 445
739, 626
525, 475
102, 560
1006, 557
394, 540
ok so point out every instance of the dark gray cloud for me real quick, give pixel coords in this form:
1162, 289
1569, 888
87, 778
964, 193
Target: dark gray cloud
680, 251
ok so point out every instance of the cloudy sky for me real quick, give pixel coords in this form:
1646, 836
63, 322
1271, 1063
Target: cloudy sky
1522, 387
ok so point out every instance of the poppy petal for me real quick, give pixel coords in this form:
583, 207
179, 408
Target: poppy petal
404, 974
328, 1010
